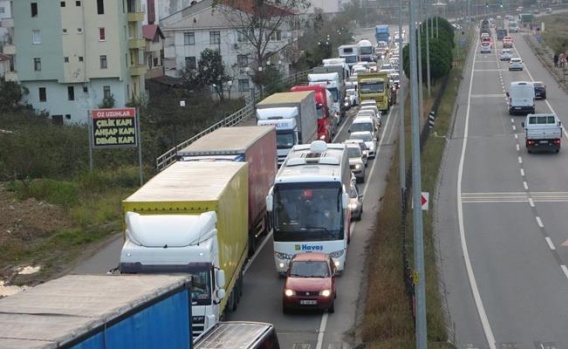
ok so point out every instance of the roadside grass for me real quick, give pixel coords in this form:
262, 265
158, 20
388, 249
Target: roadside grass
554, 35
388, 321
74, 214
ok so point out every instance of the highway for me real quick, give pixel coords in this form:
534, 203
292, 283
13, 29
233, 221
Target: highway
262, 298
501, 215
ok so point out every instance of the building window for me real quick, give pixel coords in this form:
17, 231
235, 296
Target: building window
66, 59
275, 36
71, 93
100, 7
80, 58
102, 36
215, 37
42, 94
37, 64
106, 91
68, 116
241, 37
104, 63
2, 9
57, 119
189, 38
64, 31
244, 85
156, 61
36, 37
190, 63
85, 89
77, 3
242, 61
79, 30
62, 3
34, 9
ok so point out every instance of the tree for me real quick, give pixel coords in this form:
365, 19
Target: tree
258, 22
210, 72
11, 94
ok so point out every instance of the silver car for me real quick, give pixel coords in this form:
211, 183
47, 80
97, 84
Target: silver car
363, 147
355, 203
356, 162
370, 141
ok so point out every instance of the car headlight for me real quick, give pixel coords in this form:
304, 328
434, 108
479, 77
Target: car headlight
325, 293
352, 206
358, 166
289, 293
337, 254
281, 255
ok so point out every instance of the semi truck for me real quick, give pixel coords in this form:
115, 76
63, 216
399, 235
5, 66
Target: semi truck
366, 51
191, 219
333, 80
350, 53
255, 145
100, 311
542, 132
375, 86
295, 117
323, 101
382, 33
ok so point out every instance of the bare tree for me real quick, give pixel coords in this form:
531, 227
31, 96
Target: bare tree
258, 22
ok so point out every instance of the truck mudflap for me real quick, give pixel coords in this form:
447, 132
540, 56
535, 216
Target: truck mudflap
543, 145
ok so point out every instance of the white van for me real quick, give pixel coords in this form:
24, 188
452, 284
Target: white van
521, 98
365, 123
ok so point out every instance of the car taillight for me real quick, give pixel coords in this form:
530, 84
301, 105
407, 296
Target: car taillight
529, 142
557, 141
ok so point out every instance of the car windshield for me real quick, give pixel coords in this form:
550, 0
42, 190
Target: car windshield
361, 126
365, 137
317, 269
353, 193
354, 152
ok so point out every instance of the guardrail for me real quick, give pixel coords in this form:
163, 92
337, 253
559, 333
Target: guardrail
169, 157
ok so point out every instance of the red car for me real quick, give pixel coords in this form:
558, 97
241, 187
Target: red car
310, 283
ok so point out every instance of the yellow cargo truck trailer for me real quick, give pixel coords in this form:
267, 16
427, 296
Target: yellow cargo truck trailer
192, 218
374, 86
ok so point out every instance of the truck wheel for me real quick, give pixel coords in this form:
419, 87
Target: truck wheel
252, 245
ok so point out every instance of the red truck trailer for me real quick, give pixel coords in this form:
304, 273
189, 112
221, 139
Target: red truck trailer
253, 144
324, 120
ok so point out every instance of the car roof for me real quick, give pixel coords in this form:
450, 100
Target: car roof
310, 256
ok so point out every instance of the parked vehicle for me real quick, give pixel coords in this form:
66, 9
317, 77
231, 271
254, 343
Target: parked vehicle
255, 145
355, 203
192, 218
309, 203
539, 90
521, 98
295, 116
100, 311
310, 283
240, 334
542, 132
326, 128
357, 162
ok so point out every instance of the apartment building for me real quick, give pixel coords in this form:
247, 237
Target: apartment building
200, 26
71, 54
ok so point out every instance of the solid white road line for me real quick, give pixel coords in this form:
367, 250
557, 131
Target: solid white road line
550, 243
321, 331
565, 270
473, 283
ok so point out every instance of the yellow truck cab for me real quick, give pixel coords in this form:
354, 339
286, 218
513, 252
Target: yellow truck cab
375, 86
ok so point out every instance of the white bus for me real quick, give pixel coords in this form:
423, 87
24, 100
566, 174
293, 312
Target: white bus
309, 203
350, 53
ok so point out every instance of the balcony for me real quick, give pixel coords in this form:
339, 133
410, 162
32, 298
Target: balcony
135, 16
11, 76
7, 23
137, 70
136, 43
9, 49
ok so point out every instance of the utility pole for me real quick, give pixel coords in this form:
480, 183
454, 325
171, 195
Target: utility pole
428, 31
419, 277
420, 82
401, 114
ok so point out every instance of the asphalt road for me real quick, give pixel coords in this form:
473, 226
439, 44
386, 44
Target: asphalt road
501, 220
261, 300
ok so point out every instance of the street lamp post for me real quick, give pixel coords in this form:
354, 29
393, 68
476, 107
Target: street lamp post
230, 87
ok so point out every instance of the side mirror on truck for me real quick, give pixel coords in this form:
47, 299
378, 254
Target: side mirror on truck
345, 200
220, 278
269, 203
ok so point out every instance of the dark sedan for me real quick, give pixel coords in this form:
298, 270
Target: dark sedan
539, 90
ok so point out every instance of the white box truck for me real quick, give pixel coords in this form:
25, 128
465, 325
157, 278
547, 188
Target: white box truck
294, 116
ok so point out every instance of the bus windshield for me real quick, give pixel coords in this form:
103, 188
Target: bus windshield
308, 212
366, 50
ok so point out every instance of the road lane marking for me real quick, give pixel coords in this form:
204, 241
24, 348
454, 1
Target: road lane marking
518, 147
539, 222
514, 128
531, 202
516, 136
321, 332
550, 243
522, 172
565, 270
520, 160
525, 185
489, 337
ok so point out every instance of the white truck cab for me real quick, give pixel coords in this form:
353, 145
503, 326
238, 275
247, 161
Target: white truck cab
284, 120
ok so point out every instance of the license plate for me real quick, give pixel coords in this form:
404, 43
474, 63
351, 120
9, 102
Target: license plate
308, 302
543, 142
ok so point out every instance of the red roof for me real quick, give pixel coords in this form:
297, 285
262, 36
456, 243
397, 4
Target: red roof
269, 10
149, 31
